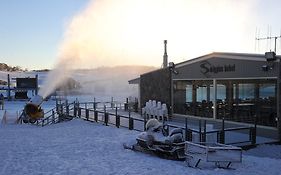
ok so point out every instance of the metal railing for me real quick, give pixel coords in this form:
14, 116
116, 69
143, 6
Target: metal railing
98, 112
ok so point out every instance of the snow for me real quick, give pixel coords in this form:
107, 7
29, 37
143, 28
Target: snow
80, 147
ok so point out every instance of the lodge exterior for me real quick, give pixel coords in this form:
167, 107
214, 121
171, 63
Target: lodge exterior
238, 87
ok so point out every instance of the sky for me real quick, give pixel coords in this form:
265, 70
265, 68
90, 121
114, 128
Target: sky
37, 34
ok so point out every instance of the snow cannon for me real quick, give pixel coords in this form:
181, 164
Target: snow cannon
32, 109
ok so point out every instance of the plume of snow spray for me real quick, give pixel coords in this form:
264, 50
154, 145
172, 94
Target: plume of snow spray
126, 32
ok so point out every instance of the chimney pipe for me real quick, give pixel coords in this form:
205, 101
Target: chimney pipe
165, 57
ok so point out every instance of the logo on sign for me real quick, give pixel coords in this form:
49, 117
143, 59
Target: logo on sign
207, 68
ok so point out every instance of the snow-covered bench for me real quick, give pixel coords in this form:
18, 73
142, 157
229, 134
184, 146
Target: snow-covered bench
223, 155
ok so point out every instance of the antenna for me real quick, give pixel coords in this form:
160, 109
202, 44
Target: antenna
270, 38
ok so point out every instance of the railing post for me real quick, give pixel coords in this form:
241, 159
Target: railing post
87, 114
144, 121
95, 105
53, 116
106, 118
222, 133
112, 106
96, 116
117, 118
75, 109
200, 131
186, 132
131, 123
117, 121
204, 132
57, 106
79, 112
189, 135
253, 133
67, 107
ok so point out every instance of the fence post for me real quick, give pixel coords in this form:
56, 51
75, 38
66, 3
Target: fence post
131, 123
95, 105
75, 109
87, 114
53, 116
79, 112
111, 103
204, 132
126, 105
43, 122
117, 121
57, 106
186, 134
222, 133
106, 119
200, 131
67, 107
144, 122
253, 131
96, 116
117, 118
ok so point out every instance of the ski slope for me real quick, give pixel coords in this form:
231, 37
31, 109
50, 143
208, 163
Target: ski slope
80, 147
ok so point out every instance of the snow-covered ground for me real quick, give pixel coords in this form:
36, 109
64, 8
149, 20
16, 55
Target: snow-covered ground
80, 147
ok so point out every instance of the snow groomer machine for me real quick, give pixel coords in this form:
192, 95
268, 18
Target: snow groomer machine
32, 110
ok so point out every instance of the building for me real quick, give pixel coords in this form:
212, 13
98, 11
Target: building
238, 87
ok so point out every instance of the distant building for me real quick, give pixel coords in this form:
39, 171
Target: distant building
235, 86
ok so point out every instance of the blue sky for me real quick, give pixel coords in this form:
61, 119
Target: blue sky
31, 30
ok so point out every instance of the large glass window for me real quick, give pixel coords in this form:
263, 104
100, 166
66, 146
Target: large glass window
237, 100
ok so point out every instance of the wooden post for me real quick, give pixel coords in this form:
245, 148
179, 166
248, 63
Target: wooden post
204, 132
200, 131
186, 134
75, 109
95, 105
117, 121
117, 118
111, 103
253, 133
53, 116
57, 105
96, 116
131, 123
87, 114
67, 107
222, 134
79, 112
144, 121
189, 135
106, 119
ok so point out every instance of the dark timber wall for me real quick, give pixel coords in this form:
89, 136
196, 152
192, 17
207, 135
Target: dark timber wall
156, 85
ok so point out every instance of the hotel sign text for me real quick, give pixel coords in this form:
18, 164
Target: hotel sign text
207, 68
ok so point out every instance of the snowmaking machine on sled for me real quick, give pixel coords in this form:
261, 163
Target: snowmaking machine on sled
157, 140
32, 110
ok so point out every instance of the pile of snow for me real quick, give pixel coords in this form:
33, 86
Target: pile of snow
80, 147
